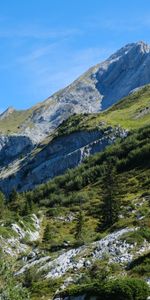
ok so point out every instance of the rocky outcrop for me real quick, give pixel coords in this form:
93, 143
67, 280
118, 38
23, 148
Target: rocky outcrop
60, 154
123, 72
66, 261
97, 89
15, 245
112, 246
7, 112
14, 146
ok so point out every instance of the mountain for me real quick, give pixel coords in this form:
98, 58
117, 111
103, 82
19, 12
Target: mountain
24, 133
75, 139
97, 89
75, 207
7, 113
54, 238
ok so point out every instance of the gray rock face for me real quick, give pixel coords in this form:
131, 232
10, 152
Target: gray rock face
97, 89
75, 259
13, 146
60, 154
123, 72
14, 246
6, 113
113, 246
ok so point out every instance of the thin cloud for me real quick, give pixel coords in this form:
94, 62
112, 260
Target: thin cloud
38, 33
36, 54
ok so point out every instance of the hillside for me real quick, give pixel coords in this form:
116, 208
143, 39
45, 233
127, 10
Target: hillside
78, 248
75, 188
95, 90
75, 139
129, 113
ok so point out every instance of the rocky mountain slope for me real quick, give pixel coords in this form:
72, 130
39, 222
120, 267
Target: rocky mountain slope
75, 139
59, 155
84, 234
97, 89
50, 260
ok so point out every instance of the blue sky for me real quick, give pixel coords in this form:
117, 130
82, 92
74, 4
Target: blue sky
46, 44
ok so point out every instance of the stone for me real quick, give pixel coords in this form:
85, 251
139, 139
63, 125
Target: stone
87, 264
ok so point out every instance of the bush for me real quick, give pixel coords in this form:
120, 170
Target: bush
126, 289
118, 289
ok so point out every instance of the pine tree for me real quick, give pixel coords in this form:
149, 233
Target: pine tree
49, 234
110, 206
2, 204
79, 227
16, 202
27, 209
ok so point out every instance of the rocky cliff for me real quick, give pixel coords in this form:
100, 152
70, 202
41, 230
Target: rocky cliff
60, 154
97, 89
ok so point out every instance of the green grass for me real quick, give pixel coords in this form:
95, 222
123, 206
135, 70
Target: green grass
7, 232
22, 118
140, 266
83, 187
125, 113
12, 124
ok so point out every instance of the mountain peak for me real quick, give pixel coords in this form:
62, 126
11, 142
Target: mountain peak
142, 46
139, 47
7, 112
101, 86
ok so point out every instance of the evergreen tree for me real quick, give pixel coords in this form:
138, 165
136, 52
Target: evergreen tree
16, 202
110, 206
28, 207
13, 196
49, 233
2, 204
79, 227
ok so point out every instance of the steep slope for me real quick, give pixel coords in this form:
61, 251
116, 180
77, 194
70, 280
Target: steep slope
7, 113
97, 89
77, 138
61, 263
93, 239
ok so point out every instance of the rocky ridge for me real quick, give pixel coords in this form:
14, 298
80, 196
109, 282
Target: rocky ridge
96, 90
14, 245
60, 154
6, 113
117, 250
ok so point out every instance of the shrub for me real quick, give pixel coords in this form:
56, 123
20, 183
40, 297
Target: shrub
118, 289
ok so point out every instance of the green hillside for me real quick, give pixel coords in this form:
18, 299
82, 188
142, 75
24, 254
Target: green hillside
132, 112
84, 188
109, 192
131, 160
13, 123
20, 119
